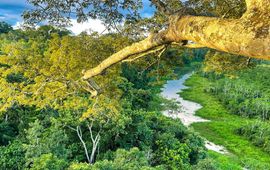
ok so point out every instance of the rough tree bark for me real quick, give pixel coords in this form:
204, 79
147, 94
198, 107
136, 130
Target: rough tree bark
248, 36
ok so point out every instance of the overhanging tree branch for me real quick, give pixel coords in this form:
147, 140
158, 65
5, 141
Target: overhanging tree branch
248, 36
145, 45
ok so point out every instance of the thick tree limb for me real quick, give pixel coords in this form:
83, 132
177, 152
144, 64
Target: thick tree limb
240, 37
194, 46
263, 5
137, 48
248, 36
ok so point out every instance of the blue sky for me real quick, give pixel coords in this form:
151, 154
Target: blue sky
11, 10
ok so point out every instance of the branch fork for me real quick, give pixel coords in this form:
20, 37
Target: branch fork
248, 36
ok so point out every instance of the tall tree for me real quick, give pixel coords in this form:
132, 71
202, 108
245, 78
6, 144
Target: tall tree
248, 35
5, 27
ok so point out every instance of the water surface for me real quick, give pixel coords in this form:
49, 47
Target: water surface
188, 108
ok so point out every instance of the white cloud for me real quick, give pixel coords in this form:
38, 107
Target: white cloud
18, 25
77, 28
91, 24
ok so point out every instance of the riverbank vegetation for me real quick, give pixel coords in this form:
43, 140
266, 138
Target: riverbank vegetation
247, 95
237, 105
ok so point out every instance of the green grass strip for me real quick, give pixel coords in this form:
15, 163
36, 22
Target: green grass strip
221, 129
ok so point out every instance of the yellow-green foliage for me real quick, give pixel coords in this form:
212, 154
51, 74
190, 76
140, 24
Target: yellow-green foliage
224, 63
47, 73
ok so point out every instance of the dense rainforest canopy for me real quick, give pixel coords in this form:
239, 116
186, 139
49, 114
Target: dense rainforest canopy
62, 108
175, 22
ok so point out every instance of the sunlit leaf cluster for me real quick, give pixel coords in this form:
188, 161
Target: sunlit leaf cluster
46, 72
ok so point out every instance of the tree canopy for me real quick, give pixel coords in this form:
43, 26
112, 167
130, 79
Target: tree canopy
193, 24
51, 116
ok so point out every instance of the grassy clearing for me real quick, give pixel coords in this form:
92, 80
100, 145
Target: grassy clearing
221, 129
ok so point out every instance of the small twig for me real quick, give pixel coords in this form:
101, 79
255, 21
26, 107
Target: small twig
229, 11
71, 128
159, 56
161, 6
92, 87
248, 61
144, 54
148, 67
188, 45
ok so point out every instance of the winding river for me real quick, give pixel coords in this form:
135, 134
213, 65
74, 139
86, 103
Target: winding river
188, 108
